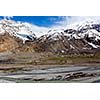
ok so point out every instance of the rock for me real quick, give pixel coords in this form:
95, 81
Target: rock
66, 77
40, 79
59, 77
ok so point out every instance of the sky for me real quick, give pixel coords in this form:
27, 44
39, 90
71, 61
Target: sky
51, 21
42, 24
42, 21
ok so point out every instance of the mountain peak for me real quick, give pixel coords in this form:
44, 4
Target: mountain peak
17, 29
78, 38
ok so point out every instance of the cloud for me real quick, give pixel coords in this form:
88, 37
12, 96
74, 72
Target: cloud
77, 19
8, 17
39, 31
61, 23
52, 19
72, 21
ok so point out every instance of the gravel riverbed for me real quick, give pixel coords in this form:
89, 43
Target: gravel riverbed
53, 74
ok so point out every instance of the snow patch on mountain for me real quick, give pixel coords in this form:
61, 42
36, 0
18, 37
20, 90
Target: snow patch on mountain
94, 46
27, 31
18, 29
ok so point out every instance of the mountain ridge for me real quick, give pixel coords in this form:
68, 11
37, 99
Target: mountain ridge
84, 39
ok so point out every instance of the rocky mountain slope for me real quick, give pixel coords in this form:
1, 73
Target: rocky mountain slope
81, 39
13, 36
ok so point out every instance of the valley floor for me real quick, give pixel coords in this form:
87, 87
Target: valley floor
47, 67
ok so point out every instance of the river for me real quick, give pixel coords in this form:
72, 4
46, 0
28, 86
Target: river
56, 74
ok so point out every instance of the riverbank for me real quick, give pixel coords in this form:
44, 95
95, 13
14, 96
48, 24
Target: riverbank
46, 58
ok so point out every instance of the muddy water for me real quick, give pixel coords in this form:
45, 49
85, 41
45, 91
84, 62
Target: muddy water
79, 74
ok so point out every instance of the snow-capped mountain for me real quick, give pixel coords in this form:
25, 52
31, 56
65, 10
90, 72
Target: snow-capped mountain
80, 37
17, 29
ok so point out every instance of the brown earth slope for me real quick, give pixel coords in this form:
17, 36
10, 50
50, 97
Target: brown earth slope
13, 44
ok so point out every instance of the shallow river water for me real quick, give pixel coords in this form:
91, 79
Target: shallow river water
63, 74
